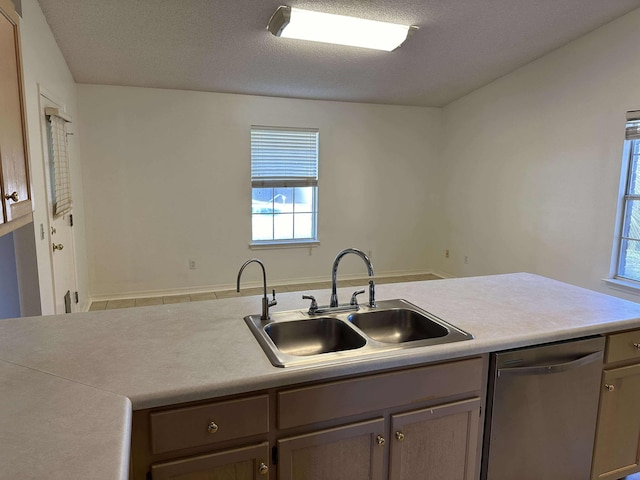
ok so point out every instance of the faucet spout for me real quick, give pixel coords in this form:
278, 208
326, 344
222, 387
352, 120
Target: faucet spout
265, 299
334, 276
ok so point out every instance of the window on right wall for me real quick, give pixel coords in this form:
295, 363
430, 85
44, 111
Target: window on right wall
628, 255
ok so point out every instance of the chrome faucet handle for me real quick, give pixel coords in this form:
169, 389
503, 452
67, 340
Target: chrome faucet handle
372, 294
354, 299
313, 308
273, 301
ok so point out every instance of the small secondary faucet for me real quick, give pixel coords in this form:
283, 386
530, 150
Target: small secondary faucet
334, 276
265, 300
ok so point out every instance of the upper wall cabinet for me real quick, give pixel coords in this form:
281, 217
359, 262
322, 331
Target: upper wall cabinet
14, 167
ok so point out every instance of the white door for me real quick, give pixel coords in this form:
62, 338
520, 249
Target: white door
60, 232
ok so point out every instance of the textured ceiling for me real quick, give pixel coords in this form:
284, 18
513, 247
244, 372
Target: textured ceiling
223, 45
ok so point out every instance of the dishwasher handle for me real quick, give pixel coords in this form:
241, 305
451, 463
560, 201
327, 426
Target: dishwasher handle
557, 368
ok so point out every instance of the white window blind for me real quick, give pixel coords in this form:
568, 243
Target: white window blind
59, 155
284, 157
632, 131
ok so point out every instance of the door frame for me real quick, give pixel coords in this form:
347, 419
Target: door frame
48, 99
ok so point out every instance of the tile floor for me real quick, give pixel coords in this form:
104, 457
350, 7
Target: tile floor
196, 297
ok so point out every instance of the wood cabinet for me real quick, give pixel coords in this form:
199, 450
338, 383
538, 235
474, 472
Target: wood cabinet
407, 424
617, 444
440, 442
247, 463
348, 452
416, 423
14, 168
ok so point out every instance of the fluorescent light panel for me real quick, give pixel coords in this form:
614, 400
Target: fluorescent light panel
290, 22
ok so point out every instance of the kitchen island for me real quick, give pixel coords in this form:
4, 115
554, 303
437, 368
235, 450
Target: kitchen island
170, 354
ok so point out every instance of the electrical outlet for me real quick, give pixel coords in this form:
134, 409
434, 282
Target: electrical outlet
446, 253
192, 264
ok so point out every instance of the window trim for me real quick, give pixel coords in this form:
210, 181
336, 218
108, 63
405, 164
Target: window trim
615, 280
287, 182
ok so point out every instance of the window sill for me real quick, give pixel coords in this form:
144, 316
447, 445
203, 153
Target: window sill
628, 286
285, 244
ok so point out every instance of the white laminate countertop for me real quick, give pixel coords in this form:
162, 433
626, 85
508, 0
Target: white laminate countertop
167, 354
56, 429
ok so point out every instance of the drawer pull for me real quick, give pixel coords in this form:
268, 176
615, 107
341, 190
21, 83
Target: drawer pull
263, 469
13, 196
380, 440
213, 427
637, 345
609, 387
400, 436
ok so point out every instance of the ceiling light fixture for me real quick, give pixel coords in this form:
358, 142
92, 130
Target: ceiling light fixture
290, 22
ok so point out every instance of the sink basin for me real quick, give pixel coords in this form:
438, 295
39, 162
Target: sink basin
397, 325
297, 338
313, 336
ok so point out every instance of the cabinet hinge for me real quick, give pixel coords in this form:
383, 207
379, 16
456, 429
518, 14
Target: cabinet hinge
77, 297
274, 455
71, 219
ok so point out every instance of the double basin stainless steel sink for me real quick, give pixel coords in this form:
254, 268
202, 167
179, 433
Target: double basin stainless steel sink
297, 338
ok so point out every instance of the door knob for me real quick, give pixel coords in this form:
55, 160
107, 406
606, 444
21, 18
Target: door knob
13, 196
57, 246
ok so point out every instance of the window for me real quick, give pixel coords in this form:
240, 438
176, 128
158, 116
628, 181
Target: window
628, 266
284, 184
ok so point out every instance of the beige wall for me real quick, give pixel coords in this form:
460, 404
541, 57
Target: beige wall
531, 163
45, 67
167, 179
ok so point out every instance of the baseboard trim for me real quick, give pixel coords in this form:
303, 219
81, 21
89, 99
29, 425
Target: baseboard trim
101, 297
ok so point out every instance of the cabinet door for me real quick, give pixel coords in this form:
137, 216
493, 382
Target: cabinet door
248, 463
13, 154
352, 452
436, 443
617, 447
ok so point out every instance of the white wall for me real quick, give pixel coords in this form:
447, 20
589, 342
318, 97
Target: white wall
167, 179
531, 162
44, 67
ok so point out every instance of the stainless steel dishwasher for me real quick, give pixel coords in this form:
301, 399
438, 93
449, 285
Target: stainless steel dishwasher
543, 405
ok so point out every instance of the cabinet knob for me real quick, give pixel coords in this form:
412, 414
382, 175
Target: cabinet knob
212, 427
263, 469
637, 345
400, 436
57, 246
609, 387
13, 196
380, 439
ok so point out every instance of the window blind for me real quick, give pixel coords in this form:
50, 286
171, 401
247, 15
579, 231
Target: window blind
632, 132
59, 155
284, 157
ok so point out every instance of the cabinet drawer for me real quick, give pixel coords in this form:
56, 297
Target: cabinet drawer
376, 392
623, 346
207, 424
